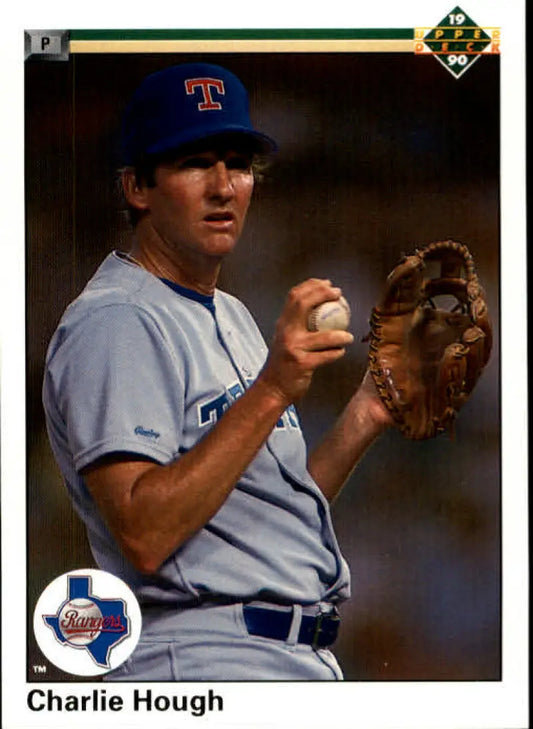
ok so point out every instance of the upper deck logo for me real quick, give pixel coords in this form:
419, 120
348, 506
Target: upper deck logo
94, 623
457, 41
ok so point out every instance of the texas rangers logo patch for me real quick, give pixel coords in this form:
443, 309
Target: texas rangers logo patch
94, 623
87, 621
206, 87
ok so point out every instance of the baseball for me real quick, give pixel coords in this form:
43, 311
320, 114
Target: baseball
330, 315
80, 621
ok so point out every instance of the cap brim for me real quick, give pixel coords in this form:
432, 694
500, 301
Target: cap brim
263, 144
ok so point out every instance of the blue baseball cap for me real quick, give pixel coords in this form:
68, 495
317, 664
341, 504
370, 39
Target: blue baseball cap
184, 104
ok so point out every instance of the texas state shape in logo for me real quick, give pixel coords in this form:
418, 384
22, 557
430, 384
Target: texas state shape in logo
87, 622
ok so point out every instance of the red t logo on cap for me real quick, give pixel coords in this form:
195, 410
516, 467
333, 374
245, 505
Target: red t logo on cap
205, 85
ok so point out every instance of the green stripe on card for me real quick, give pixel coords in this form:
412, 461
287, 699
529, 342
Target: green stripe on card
244, 34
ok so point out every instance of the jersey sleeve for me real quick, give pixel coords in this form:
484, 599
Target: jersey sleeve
114, 384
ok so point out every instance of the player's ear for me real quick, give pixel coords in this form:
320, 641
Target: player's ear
134, 192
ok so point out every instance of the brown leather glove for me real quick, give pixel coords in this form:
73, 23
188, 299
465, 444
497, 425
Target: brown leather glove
426, 356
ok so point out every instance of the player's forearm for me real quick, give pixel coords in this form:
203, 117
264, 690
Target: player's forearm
334, 459
168, 504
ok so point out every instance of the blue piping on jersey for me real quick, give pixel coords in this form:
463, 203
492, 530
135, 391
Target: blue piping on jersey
205, 299
208, 302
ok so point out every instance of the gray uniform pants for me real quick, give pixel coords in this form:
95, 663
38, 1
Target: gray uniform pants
212, 643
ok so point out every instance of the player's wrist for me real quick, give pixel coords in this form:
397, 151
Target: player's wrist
368, 409
272, 392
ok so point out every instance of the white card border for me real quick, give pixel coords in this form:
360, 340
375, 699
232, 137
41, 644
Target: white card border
502, 705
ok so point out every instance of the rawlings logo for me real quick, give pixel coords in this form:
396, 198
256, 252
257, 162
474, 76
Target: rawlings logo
139, 430
205, 85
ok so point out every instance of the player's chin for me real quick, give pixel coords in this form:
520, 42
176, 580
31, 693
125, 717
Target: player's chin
220, 242
219, 245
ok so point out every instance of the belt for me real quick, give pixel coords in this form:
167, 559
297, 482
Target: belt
318, 631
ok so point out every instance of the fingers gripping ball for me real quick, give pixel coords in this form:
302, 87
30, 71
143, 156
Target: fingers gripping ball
330, 315
425, 355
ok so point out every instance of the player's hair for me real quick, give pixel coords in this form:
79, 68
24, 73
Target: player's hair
144, 172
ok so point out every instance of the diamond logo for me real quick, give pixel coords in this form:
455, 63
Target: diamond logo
457, 41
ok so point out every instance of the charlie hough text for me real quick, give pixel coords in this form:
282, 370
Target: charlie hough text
141, 700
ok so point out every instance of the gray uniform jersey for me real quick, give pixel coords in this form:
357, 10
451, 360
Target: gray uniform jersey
138, 367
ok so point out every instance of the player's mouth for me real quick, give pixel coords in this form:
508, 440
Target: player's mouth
219, 215
221, 220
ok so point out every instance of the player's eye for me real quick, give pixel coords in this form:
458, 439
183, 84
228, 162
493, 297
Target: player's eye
239, 162
202, 162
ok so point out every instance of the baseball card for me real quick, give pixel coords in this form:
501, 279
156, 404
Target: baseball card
264, 423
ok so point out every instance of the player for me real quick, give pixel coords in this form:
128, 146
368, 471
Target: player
174, 426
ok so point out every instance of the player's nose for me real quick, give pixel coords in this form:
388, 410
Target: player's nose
220, 181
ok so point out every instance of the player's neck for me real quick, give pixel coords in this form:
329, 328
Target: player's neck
151, 253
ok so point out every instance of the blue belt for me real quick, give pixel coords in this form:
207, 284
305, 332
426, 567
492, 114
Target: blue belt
318, 631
